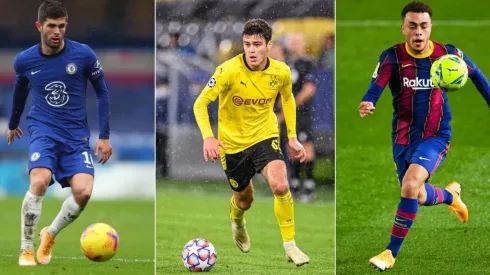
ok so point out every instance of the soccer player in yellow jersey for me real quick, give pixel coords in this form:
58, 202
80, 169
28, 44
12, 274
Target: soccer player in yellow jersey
248, 133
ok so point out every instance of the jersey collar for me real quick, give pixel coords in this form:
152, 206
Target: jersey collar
422, 55
40, 49
245, 61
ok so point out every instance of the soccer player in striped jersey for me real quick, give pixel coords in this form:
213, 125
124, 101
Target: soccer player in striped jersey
247, 86
421, 122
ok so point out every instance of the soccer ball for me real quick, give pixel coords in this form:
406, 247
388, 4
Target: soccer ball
99, 242
449, 73
199, 255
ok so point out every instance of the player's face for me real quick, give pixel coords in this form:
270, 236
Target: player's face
416, 28
52, 31
256, 50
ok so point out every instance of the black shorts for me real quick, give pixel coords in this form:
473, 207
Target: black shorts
242, 166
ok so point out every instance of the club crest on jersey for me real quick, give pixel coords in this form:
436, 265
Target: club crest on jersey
273, 81
212, 82
71, 68
35, 156
57, 95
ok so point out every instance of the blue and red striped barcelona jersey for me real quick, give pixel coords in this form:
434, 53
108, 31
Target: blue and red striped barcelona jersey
420, 110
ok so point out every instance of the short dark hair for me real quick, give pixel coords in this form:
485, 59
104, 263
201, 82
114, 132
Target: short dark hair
51, 9
417, 7
258, 27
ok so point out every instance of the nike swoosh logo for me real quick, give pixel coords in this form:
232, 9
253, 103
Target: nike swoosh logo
406, 65
422, 158
35, 72
241, 82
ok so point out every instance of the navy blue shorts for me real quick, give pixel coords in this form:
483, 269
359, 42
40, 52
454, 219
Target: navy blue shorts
64, 159
429, 153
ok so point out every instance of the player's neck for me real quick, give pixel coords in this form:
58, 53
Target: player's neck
260, 67
46, 50
427, 51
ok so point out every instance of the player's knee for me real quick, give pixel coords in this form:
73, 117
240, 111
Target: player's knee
82, 196
40, 180
410, 187
245, 204
280, 189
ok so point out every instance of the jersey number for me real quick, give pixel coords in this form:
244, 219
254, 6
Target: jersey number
88, 160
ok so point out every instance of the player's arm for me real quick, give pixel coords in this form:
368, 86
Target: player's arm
308, 89
21, 92
95, 74
380, 79
476, 76
216, 85
288, 103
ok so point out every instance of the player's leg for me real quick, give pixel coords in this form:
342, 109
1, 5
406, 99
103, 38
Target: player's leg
405, 215
239, 171
431, 153
276, 175
240, 202
76, 171
42, 162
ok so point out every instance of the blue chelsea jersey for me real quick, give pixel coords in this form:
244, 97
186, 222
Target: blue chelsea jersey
57, 84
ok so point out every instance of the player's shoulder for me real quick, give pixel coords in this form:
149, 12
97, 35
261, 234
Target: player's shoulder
232, 66
78, 46
279, 66
27, 54
391, 51
449, 48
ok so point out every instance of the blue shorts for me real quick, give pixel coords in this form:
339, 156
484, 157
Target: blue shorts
429, 153
63, 158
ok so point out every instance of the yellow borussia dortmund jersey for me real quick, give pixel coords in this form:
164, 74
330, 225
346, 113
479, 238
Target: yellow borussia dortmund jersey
246, 102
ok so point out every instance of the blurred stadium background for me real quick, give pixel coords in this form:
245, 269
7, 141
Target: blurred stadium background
192, 39
122, 35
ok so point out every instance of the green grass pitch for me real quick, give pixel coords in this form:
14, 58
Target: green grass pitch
194, 209
133, 221
367, 188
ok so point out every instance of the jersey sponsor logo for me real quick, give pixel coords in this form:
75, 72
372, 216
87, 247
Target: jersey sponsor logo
97, 65
71, 68
98, 68
212, 82
238, 101
57, 95
418, 83
35, 156
375, 73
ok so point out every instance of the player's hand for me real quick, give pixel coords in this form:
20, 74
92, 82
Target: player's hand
105, 148
11, 134
298, 148
211, 148
366, 108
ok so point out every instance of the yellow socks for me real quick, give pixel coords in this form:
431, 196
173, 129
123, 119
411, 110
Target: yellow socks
237, 215
284, 211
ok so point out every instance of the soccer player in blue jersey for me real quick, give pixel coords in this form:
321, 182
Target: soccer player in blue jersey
421, 131
55, 72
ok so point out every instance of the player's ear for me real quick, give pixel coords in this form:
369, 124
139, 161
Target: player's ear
38, 26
